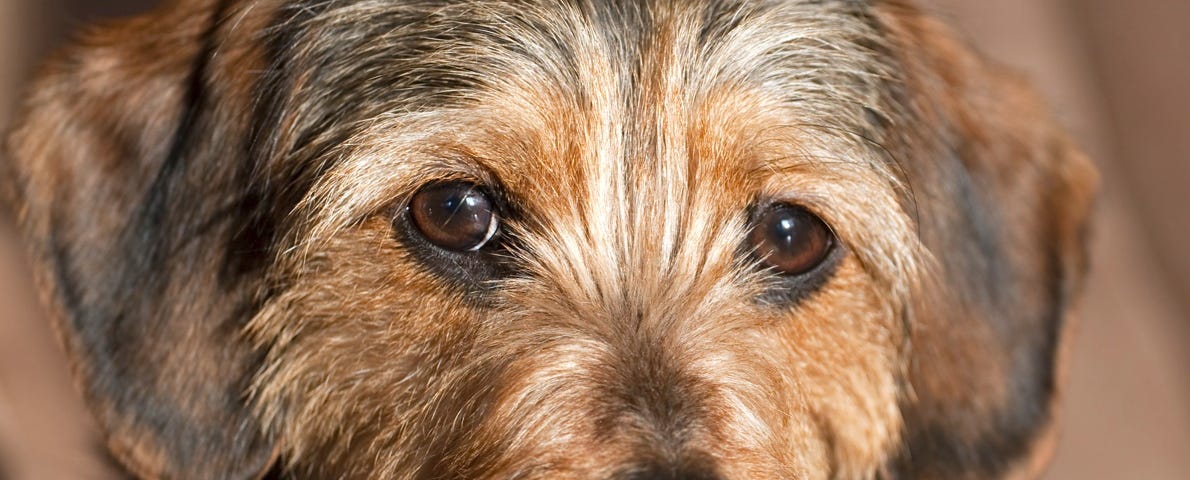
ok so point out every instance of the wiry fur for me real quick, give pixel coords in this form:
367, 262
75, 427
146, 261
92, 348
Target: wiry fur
240, 292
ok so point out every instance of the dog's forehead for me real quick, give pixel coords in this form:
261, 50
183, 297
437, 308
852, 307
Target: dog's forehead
639, 78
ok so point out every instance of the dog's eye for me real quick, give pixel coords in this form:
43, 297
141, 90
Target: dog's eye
456, 216
790, 239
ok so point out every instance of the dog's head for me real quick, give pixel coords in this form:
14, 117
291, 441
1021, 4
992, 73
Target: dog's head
596, 239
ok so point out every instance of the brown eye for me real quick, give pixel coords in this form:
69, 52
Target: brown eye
456, 216
790, 239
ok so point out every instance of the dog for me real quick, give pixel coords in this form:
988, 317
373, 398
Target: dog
591, 239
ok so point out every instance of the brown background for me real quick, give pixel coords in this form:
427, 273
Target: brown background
1116, 71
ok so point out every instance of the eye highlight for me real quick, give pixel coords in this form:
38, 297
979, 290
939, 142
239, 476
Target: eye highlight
455, 216
790, 239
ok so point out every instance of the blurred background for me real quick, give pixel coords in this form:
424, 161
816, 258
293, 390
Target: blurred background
1116, 72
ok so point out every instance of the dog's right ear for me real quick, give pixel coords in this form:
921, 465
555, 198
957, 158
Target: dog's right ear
125, 175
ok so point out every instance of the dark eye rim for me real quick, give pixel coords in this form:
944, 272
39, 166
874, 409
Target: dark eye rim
471, 271
781, 288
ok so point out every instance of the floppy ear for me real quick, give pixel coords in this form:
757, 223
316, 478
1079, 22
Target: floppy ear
126, 175
1003, 200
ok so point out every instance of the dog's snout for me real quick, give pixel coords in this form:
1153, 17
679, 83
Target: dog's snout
667, 472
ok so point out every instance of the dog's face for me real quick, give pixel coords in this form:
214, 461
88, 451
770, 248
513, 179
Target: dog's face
590, 240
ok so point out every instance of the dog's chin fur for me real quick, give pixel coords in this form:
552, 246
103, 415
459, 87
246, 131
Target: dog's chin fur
214, 197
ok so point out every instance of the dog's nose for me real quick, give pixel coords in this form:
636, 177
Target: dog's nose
664, 472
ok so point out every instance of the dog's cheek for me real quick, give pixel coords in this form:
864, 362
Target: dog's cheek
831, 371
366, 357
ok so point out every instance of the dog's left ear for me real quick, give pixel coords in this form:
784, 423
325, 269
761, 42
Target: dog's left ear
1003, 199
126, 178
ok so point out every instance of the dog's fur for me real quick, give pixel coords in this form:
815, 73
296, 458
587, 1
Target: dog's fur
208, 195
